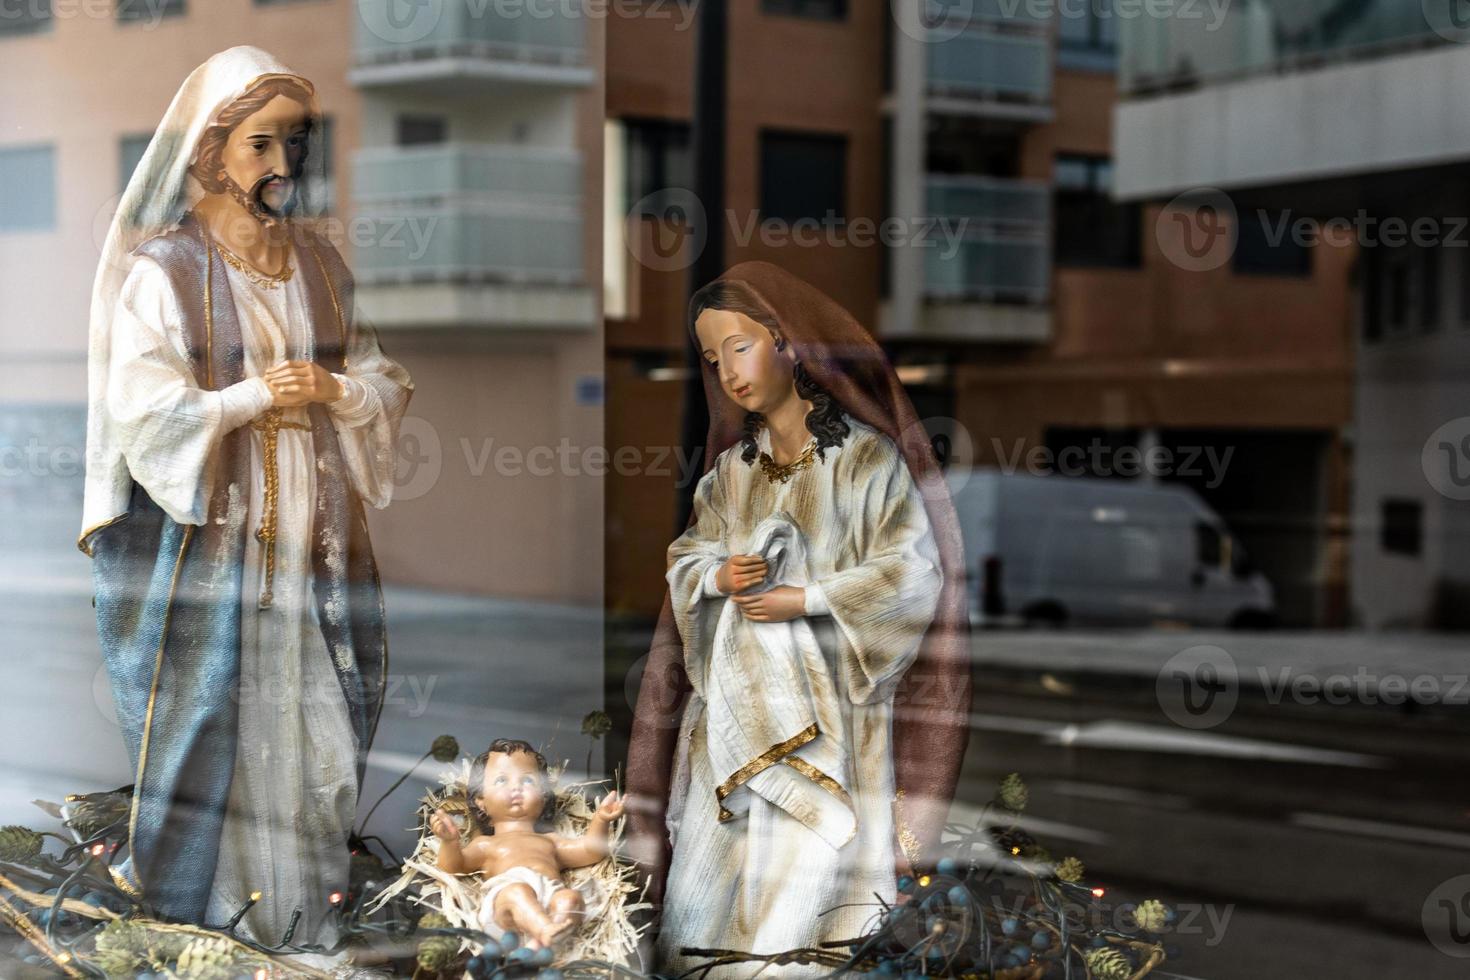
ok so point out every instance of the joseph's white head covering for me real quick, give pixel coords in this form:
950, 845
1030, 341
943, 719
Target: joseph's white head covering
157, 198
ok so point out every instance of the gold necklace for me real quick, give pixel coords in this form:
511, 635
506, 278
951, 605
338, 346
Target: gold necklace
262, 279
775, 471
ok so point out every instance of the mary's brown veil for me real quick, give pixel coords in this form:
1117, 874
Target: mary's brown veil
931, 706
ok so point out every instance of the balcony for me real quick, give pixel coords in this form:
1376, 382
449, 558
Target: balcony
1003, 252
1272, 36
469, 41
987, 266
466, 233
997, 65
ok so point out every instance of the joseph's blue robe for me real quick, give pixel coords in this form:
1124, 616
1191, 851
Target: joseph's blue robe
168, 595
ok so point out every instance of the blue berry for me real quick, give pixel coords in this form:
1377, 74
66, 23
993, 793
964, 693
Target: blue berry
905, 884
474, 965
1009, 927
520, 955
948, 866
959, 894
509, 941
490, 951
542, 957
1041, 939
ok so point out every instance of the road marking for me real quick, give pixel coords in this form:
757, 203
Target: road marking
1118, 794
1129, 736
1401, 833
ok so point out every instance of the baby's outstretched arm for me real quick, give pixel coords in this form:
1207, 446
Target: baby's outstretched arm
452, 858
591, 847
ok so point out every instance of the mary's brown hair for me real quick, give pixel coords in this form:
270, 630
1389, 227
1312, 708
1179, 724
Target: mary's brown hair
824, 420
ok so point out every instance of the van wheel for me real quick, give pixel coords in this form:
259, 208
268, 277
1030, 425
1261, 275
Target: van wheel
1045, 615
1253, 619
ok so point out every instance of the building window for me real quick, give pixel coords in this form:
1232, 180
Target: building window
658, 162
1429, 289
148, 11
1402, 531
1465, 286
1093, 230
803, 175
27, 188
1087, 35
23, 18
321, 190
814, 9
130, 151
1266, 246
421, 130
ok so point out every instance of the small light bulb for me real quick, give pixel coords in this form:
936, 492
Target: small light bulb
255, 896
97, 849
924, 881
1097, 893
335, 897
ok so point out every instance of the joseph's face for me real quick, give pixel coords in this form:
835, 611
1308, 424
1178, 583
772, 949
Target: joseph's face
514, 788
265, 150
743, 354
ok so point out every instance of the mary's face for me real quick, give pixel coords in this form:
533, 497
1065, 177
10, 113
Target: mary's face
264, 151
743, 354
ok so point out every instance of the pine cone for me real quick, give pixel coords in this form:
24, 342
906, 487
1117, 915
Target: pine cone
1151, 916
436, 953
1109, 964
208, 958
445, 748
91, 813
19, 845
596, 724
1013, 795
122, 947
1071, 869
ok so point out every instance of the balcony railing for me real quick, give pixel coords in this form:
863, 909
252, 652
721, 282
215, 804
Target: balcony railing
1003, 246
390, 32
1263, 36
1005, 58
521, 174
469, 213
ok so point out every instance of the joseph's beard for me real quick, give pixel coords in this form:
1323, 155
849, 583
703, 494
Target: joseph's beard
253, 204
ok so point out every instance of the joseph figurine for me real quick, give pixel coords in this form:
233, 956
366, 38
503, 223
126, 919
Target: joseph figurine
240, 417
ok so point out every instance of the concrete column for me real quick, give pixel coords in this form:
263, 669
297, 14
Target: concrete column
907, 132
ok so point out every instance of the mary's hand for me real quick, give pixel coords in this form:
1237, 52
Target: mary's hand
783, 603
740, 573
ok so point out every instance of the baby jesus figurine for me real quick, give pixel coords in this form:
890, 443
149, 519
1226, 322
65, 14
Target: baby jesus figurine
523, 889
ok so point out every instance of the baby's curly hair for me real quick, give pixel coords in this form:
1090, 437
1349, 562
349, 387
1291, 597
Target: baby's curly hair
476, 784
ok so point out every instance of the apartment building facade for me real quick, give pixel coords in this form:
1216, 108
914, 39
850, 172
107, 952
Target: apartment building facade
1029, 310
1346, 112
464, 143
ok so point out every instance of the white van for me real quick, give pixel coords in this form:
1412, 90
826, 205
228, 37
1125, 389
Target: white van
1049, 550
